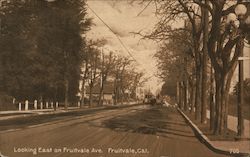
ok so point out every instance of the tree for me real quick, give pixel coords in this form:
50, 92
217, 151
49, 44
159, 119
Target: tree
15, 49
94, 74
71, 25
222, 40
107, 65
138, 80
32, 66
184, 10
91, 66
224, 60
205, 21
86, 59
122, 64
175, 62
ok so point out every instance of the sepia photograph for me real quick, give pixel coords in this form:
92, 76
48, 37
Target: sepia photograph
124, 78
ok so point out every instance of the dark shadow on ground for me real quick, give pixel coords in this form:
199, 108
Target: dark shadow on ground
14, 114
156, 121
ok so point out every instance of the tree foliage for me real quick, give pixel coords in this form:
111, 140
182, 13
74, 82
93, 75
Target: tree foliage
213, 35
41, 46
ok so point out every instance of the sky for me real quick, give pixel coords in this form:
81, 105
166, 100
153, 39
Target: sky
123, 19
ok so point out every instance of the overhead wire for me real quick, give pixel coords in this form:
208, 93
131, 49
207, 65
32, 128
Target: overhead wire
119, 39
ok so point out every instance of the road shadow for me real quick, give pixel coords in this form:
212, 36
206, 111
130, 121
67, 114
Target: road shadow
155, 121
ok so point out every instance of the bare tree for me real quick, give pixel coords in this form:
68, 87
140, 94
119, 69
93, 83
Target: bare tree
122, 63
222, 39
107, 65
94, 74
89, 65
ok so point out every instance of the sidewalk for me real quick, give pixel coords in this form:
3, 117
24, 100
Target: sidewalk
232, 148
232, 123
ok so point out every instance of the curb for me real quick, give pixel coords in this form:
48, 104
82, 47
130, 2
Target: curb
204, 139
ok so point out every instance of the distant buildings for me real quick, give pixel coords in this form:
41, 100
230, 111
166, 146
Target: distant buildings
108, 93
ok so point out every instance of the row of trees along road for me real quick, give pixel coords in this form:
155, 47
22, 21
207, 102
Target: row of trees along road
44, 54
42, 48
202, 55
102, 66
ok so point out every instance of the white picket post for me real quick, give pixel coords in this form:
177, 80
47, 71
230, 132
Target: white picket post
35, 104
41, 105
19, 106
47, 104
26, 105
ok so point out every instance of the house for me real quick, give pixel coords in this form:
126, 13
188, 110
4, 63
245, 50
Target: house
108, 92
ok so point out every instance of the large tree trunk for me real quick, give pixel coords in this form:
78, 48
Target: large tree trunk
178, 92
240, 50
212, 100
204, 92
90, 95
181, 95
185, 85
83, 93
220, 102
227, 88
223, 81
100, 100
198, 94
192, 96
185, 95
122, 96
217, 105
223, 108
66, 94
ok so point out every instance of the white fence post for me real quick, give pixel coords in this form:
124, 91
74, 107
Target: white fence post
26, 105
47, 104
41, 105
19, 106
35, 104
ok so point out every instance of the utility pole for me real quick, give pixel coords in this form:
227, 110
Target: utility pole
240, 127
204, 67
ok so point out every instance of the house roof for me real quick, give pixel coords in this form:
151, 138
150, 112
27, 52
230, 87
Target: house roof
108, 88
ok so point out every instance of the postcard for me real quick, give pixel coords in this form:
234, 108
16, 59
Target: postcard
124, 78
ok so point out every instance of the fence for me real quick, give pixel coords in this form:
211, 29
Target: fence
40, 105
